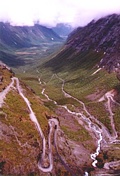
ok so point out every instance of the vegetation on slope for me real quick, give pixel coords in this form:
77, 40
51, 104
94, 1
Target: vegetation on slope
20, 142
77, 69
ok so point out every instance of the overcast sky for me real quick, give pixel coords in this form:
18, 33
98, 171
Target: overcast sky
50, 12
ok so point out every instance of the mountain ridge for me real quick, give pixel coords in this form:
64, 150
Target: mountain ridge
26, 36
100, 38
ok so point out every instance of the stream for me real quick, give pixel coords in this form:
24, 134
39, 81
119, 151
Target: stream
91, 125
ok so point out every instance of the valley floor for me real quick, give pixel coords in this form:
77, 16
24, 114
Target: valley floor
83, 135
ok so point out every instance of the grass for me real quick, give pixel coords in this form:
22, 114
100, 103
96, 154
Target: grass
18, 115
33, 83
79, 135
11, 152
6, 78
100, 113
114, 154
40, 110
81, 86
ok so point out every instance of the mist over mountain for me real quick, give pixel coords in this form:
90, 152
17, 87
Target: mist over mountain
49, 13
62, 29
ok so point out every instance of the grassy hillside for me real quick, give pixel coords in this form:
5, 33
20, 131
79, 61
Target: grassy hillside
20, 142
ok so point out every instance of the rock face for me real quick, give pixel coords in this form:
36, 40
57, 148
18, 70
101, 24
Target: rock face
101, 36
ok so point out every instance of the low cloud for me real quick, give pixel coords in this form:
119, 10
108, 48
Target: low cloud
51, 12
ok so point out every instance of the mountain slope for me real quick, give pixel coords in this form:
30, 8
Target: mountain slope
100, 36
19, 45
26, 36
20, 142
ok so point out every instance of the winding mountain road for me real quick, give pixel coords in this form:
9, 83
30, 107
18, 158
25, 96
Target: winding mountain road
54, 125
